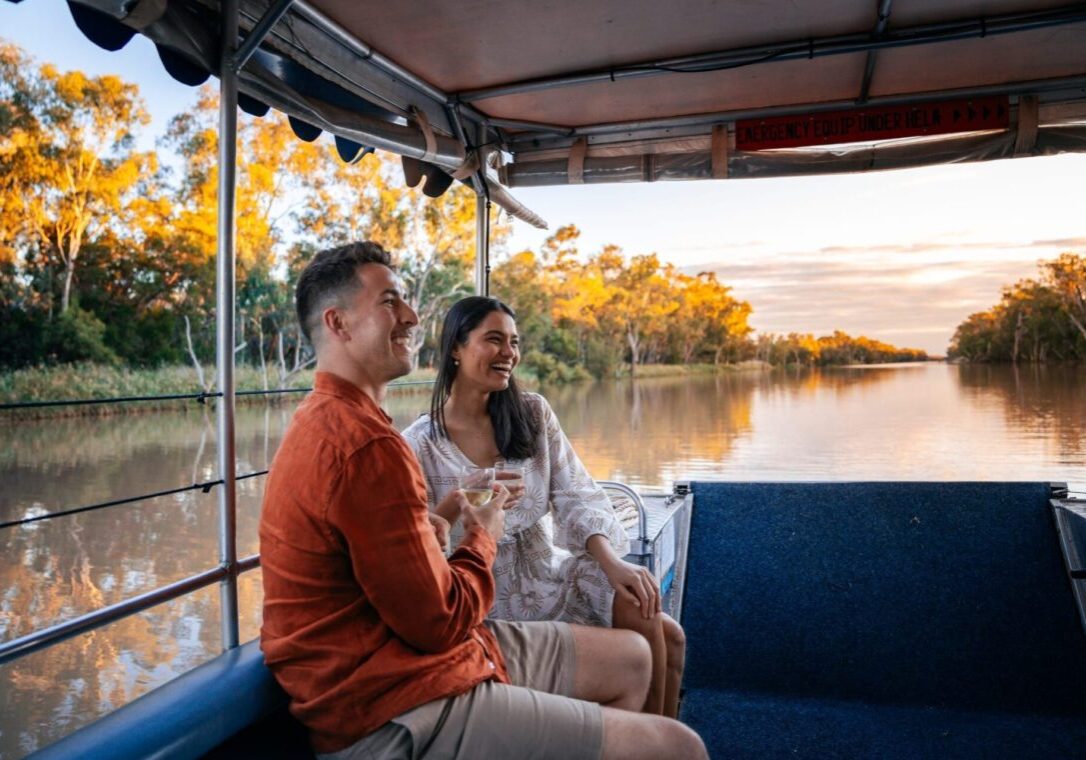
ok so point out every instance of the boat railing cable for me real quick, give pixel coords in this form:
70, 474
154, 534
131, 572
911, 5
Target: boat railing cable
198, 397
205, 487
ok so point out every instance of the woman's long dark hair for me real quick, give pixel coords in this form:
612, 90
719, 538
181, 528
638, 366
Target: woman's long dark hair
515, 427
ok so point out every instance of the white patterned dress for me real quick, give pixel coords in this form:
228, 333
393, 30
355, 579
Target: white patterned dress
543, 570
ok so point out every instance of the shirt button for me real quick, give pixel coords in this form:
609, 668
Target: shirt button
491, 664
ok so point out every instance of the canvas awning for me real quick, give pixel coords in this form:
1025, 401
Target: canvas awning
576, 91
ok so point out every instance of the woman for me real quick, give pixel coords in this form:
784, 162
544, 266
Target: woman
561, 556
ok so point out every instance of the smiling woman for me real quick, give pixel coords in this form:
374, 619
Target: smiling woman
561, 555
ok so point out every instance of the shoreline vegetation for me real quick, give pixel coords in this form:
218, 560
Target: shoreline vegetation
1037, 320
85, 381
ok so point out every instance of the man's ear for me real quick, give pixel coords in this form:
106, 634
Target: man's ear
332, 322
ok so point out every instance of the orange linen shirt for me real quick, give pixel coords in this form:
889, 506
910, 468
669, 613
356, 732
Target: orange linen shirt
364, 618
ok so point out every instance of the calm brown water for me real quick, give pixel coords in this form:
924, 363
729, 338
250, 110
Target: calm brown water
916, 422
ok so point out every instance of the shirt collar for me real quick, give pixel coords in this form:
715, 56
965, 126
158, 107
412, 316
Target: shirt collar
334, 385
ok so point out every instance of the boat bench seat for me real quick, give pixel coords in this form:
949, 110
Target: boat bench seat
890, 620
229, 707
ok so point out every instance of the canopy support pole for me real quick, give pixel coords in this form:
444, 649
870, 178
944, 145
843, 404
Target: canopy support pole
224, 324
482, 245
259, 32
869, 65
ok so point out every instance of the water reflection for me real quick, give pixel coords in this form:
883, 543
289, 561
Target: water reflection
931, 422
1047, 402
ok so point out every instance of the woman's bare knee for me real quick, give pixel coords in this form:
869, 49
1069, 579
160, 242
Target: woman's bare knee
673, 633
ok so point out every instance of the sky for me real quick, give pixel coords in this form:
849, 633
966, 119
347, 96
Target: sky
902, 256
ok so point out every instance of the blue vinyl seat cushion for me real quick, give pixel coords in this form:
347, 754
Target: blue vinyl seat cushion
881, 620
228, 707
763, 727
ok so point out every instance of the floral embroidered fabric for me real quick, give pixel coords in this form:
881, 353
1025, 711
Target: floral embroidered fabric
542, 571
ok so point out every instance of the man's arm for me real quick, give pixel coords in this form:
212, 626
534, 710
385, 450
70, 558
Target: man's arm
380, 510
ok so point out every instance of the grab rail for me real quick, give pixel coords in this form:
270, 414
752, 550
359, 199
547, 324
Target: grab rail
635, 497
47, 637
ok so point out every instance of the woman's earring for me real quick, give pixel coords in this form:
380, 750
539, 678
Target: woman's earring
456, 362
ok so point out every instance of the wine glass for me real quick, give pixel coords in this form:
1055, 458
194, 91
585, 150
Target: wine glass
510, 475
476, 482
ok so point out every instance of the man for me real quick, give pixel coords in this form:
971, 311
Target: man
377, 638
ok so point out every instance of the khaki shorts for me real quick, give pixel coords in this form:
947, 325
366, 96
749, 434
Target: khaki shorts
535, 717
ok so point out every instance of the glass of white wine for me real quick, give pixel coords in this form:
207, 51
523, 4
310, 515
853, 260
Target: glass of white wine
476, 482
509, 475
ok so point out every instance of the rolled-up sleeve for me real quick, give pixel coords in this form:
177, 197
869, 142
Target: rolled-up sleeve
428, 601
581, 507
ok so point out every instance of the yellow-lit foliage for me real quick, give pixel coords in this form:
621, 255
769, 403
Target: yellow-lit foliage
1035, 320
68, 160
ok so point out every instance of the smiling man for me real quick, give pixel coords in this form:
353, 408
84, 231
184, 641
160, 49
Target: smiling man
381, 642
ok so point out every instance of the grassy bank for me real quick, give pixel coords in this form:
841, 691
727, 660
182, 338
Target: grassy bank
676, 370
94, 381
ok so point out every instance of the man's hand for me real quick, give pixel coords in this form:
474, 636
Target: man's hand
451, 507
441, 530
490, 516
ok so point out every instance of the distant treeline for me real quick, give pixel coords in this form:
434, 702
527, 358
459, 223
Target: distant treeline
108, 256
1036, 320
832, 350
590, 314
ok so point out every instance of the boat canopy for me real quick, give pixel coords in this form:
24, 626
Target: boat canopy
514, 93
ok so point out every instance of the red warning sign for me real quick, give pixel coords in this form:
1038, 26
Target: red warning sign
867, 124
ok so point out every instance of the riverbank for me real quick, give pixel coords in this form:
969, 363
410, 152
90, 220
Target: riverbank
81, 382
680, 370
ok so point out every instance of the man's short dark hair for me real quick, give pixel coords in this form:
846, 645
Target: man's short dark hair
329, 277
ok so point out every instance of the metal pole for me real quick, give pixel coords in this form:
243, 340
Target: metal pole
482, 214
47, 637
259, 32
224, 334
482, 225
869, 66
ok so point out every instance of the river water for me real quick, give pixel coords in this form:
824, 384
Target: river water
903, 422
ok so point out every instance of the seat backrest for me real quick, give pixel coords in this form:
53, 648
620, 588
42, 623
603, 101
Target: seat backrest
949, 594
189, 716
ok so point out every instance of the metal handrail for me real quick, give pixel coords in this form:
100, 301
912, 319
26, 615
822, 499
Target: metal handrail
46, 637
635, 497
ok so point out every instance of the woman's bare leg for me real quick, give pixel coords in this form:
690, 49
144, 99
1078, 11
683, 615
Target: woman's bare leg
626, 616
675, 641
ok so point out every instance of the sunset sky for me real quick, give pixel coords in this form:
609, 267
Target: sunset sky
902, 256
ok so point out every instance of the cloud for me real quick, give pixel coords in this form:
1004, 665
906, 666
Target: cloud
912, 294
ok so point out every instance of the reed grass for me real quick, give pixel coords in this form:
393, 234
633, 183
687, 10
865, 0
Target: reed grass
71, 382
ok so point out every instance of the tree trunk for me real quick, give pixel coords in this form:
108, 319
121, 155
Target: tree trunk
1017, 339
634, 344
260, 344
192, 355
66, 292
1077, 324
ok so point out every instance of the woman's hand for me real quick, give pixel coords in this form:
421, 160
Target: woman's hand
635, 584
513, 484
